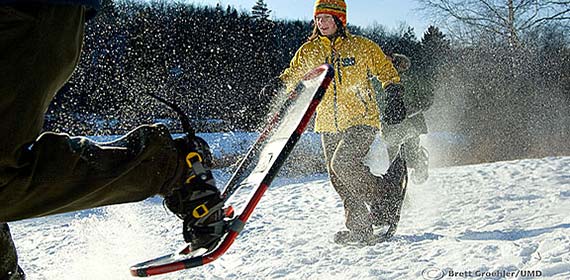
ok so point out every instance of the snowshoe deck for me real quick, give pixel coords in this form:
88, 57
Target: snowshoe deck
258, 169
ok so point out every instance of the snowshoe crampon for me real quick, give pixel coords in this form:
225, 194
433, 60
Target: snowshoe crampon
256, 170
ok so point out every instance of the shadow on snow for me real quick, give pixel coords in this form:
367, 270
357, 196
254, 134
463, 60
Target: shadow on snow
509, 235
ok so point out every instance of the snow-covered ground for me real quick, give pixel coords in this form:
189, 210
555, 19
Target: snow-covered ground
498, 219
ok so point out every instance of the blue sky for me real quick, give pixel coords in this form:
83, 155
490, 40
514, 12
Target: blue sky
389, 13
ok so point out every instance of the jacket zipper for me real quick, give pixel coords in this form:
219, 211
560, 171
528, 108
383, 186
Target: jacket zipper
337, 71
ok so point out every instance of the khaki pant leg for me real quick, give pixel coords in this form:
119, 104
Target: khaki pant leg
330, 143
39, 48
356, 185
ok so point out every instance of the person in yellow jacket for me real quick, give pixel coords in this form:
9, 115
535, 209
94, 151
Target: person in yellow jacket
348, 117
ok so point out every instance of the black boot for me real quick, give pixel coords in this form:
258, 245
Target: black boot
195, 198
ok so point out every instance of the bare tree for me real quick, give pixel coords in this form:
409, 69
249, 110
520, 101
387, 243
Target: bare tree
505, 20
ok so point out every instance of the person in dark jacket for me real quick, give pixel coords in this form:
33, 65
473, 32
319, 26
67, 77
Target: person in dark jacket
407, 133
50, 173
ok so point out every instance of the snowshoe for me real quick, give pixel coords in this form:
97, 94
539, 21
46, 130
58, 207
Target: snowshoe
255, 173
387, 209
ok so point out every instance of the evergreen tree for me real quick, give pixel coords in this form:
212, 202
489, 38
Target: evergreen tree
434, 46
434, 41
407, 43
260, 11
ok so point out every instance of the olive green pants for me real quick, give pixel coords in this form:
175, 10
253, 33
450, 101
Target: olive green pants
54, 173
351, 178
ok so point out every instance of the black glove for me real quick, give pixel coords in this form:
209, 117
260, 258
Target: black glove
273, 87
198, 202
395, 111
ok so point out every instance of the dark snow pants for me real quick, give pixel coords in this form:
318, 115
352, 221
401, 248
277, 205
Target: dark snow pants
352, 180
53, 173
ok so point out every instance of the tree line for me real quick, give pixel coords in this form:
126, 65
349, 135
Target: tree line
211, 61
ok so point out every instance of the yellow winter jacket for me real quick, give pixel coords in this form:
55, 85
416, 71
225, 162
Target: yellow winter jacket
349, 100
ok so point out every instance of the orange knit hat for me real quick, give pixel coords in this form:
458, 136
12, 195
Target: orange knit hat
332, 7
